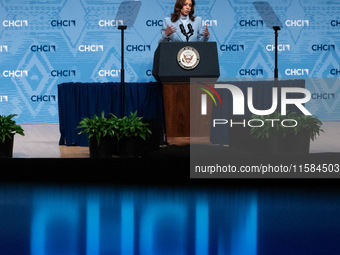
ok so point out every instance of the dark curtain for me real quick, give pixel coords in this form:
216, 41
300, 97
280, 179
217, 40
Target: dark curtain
79, 100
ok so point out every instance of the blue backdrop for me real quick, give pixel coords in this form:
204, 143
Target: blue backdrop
47, 42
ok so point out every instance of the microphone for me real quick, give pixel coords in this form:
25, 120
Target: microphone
183, 31
191, 30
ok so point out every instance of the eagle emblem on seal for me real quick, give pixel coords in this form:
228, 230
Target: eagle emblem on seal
188, 58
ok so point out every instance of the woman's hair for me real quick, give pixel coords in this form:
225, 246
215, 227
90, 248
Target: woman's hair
177, 10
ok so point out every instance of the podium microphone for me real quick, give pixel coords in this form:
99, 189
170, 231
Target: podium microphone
183, 31
191, 30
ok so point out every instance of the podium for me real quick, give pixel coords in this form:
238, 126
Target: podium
173, 66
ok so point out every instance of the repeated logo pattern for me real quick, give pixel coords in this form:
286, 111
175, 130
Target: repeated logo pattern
45, 43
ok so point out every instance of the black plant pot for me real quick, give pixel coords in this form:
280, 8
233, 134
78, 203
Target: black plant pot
106, 148
278, 144
131, 146
298, 144
6, 148
241, 140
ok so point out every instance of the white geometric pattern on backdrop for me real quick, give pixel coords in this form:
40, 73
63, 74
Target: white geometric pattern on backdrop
45, 43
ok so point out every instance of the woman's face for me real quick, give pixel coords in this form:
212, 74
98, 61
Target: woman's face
186, 8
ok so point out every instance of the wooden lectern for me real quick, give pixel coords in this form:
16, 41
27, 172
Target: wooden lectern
171, 69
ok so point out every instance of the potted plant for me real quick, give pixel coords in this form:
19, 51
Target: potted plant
308, 128
102, 133
132, 134
283, 139
8, 128
272, 135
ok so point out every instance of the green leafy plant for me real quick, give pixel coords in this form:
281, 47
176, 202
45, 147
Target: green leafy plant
8, 127
268, 128
133, 126
99, 126
305, 124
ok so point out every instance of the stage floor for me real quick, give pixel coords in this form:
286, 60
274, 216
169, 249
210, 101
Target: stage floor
42, 141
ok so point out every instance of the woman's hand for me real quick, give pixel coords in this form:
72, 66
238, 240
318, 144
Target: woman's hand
169, 30
206, 31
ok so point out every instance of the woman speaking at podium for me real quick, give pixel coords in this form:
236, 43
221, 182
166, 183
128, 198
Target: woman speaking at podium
183, 26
